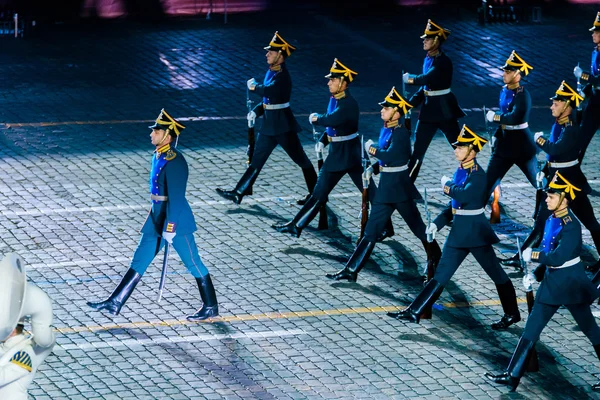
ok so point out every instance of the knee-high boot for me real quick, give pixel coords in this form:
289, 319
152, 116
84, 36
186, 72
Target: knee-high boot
516, 366
119, 296
388, 231
596, 386
306, 214
508, 299
356, 262
210, 307
241, 189
596, 238
430, 293
310, 177
434, 253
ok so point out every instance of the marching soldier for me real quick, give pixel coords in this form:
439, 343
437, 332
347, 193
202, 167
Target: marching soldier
279, 124
170, 219
345, 152
439, 108
471, 233
563, 279
395, 191
591, 91
513, 141
563, 149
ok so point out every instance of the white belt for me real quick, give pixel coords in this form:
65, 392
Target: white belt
342, 138
563, 164
158, 198
430, 93
393, 169
276, 106
569, 263
515, 127
467, 212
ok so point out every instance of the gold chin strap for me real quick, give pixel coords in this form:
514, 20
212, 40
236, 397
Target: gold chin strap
164, 137
277, 59
467, 155
339, 89
560, 200
393, 114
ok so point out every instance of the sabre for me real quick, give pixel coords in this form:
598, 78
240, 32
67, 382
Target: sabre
323, 219
364, 209
533, 365
251, 136
427, 216
408, 116
163, 275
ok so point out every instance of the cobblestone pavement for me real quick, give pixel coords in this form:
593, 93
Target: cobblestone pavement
75, 104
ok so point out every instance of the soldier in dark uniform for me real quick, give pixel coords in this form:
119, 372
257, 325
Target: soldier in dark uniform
590, 90
563, 277
170, 219
513, 141
395, 191
562, 149
471, 233
439, 108
345, 151
279, 124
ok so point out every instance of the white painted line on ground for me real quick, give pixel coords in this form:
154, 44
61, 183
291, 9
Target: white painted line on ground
179, 339
80, 263
204, 203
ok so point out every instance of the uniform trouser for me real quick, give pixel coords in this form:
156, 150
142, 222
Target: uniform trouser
589, 124
542, 313
452, 257
289, 142
381, 213
499, 166
329, 179
424, 133
184, 244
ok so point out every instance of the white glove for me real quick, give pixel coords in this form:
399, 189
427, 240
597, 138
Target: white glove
490, 116
528, 280
527, 254
539, 177
368, 145
405, 77
431, 230
313, 118
168, 236
577, 71
319, 147
444, 181
537, 135
368, 174
251, 117
251, 83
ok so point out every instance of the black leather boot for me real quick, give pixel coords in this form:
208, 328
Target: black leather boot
516, 366
596, 266
533, 240
430, 293
119, 296
434, 253
596, 386
306, 214
210, 307
241, 189
356, 262
387, 232
310, 177
508, 299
